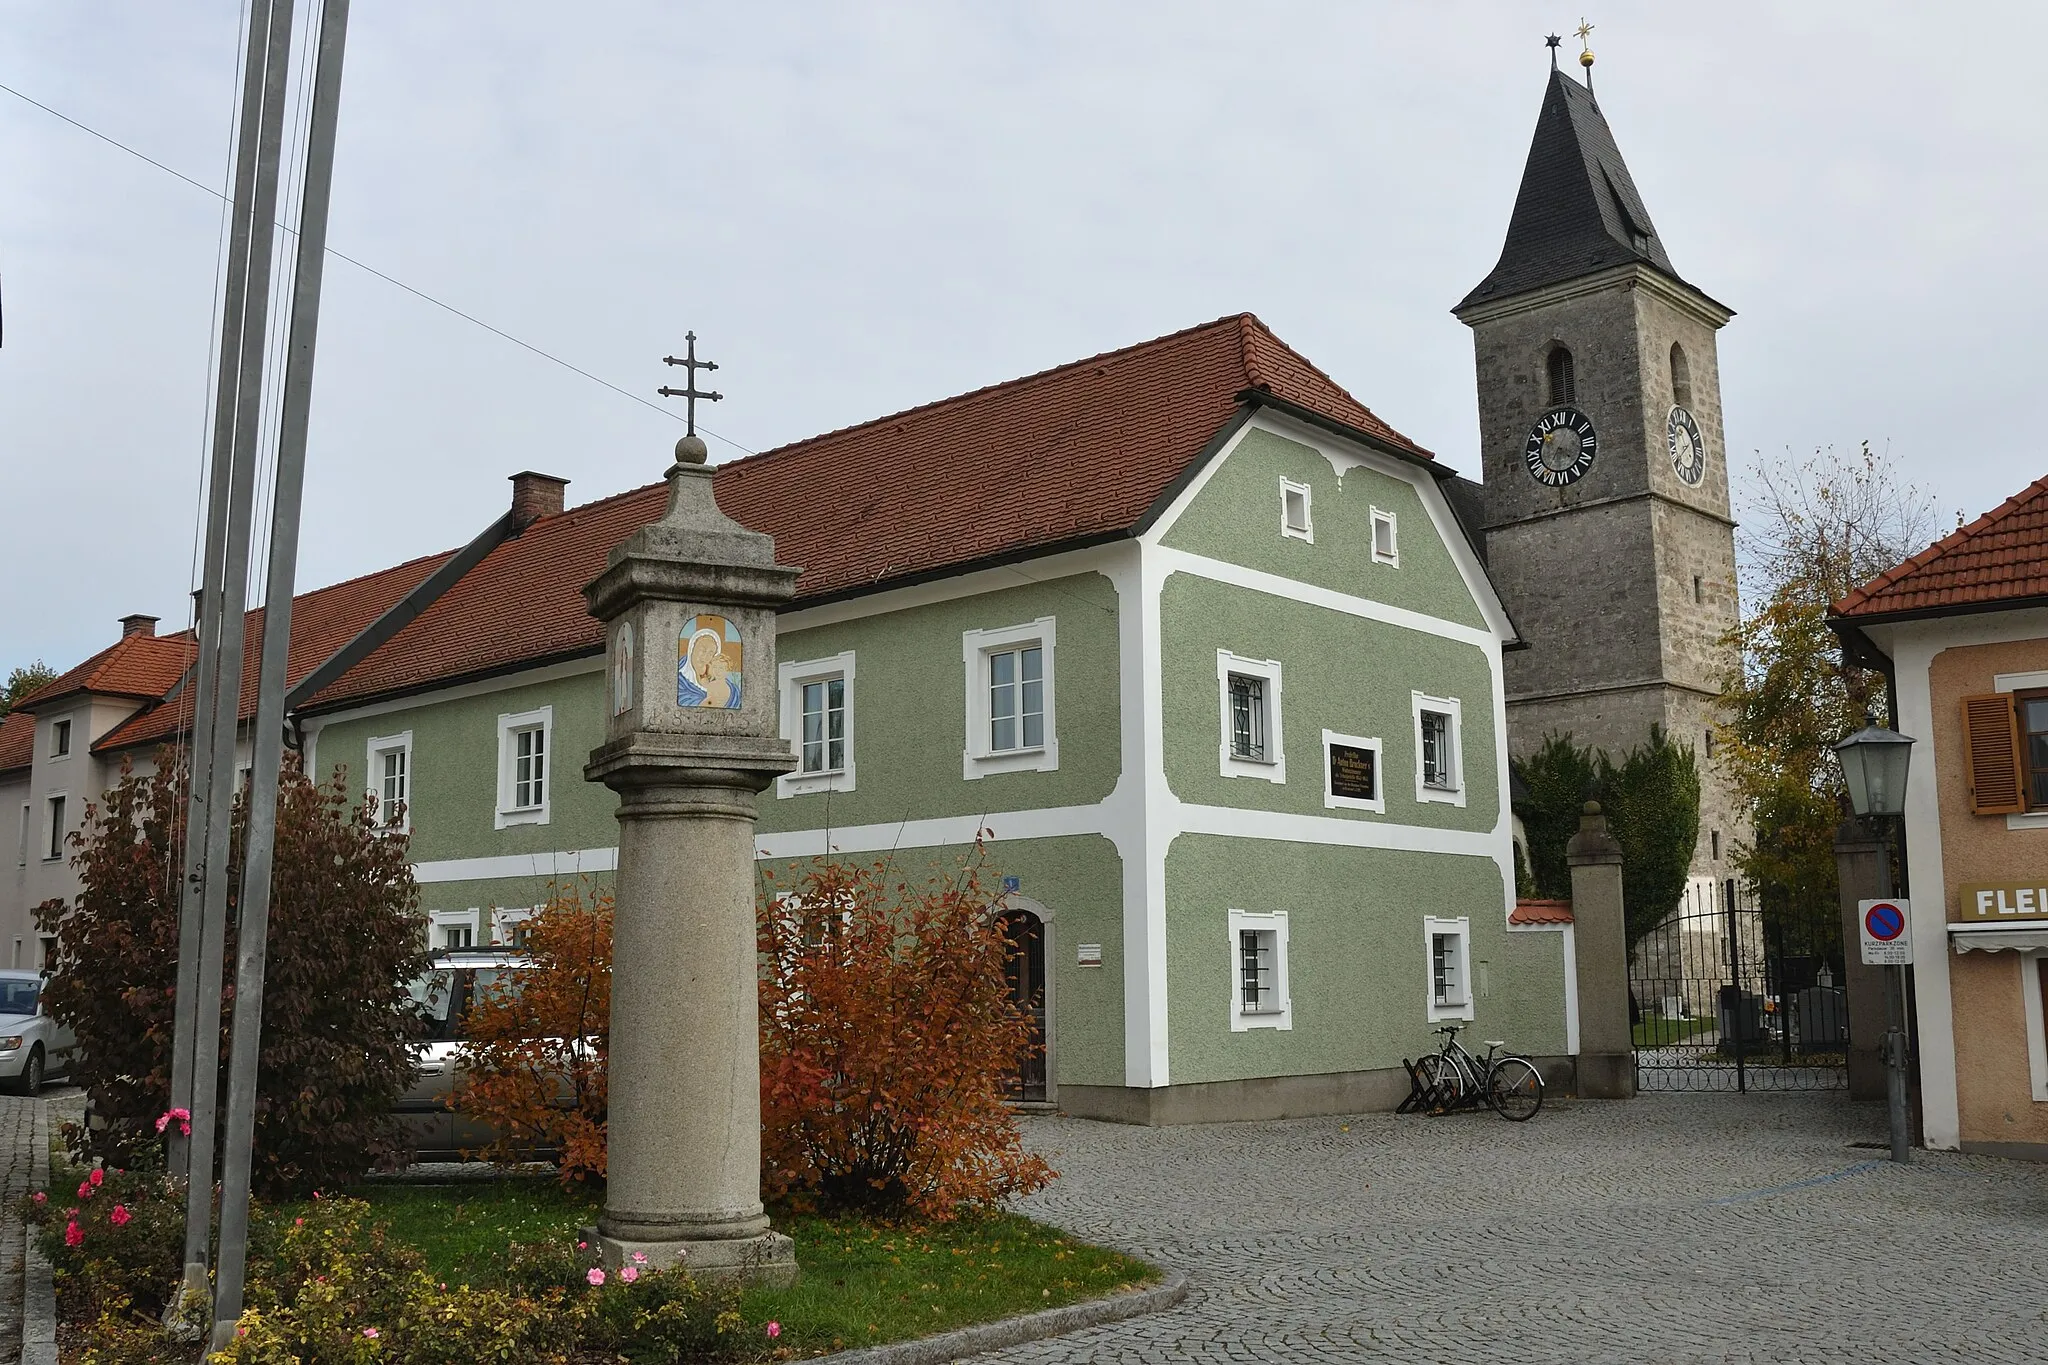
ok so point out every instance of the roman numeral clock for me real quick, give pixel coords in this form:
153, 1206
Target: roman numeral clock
1561, 447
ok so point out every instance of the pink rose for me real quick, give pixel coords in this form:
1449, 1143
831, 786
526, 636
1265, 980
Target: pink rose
39, 1199
774, 1330
595, 1276
370, 1332
639, 1258
85, 1189
120, 1216
97, 1178
74, 1235
583, 1246
629, 1273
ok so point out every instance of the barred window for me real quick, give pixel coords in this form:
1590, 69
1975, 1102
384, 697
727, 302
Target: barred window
1248, 718
1256, 950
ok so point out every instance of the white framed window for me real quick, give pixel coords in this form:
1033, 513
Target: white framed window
53, 826
1386, 544
1258, 971
28, 813
1296, 519
1448, 942
388, 762
508, 925
60, 738
1439, 749
1352, 775
817, 720
1010, 718
1248, 700
525, 758
453, 930
2033, 979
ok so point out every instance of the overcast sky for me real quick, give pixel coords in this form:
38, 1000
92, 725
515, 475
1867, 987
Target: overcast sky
864, 206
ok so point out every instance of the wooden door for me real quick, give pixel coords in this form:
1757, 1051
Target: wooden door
1025, 968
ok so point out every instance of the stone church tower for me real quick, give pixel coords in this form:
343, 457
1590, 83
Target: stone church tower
1606, 476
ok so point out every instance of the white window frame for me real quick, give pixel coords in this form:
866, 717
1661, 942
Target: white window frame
1274, 768
503, 918
1462, 927
1392, 557
976, 646
509, 726
373, 761
2031, 1007
53, 830
62, 726
1453, 795
790, 679
439, 920
1331, 801
28, 822
1307, 530
1241, 1019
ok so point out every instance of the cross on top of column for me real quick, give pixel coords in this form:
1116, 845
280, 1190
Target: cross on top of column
690, 393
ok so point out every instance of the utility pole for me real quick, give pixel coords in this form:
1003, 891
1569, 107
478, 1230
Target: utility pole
253, 908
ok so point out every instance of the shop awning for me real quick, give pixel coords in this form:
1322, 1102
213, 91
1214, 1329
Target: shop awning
1992, 938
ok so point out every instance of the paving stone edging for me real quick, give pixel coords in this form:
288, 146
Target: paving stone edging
990, 1336
38, 1292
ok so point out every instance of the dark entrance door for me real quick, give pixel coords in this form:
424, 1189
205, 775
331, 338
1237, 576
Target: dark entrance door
1025, 968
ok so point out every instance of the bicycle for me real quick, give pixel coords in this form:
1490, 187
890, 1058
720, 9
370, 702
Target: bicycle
1509, 1084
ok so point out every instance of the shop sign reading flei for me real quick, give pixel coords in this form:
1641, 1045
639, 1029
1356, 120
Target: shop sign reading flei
1995, 902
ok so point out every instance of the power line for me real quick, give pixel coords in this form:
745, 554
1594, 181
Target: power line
370, 269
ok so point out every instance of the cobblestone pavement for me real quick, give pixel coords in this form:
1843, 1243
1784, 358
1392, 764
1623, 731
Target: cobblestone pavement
17, 1150
1670, 1228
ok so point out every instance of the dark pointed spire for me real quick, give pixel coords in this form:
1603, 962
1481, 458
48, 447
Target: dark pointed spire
1578, 210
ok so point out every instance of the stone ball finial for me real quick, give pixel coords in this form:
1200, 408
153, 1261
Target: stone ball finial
1590, 808
692, 450
1586, 59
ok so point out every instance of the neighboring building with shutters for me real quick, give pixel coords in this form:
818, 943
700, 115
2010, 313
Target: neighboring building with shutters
1962, 630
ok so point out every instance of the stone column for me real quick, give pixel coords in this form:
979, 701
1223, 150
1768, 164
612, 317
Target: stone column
693, 735
1863, 866
1607, 1058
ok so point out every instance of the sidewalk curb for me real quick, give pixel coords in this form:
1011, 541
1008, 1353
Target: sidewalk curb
38, 1293
990, 1336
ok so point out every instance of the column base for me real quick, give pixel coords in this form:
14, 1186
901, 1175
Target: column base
767, 1259
1607, 1075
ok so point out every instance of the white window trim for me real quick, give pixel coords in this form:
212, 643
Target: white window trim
1307, 531
54, 837
976, 760
28, 822
68, 726
507, 767
2030, 998
1331, 801
1448, 706
1242, 1021
1275, 768
790, 679
502, 920
1431, 927
471, 919
1393, 557
372, 753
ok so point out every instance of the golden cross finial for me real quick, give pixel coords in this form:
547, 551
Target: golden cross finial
1584, 33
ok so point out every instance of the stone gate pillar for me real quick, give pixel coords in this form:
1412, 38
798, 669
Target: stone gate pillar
1607, 1057
1863, 867
692, 736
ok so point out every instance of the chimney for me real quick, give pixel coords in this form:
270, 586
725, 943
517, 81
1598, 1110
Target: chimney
535, 496
137, 624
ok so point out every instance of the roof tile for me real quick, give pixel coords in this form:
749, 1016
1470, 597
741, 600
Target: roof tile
2001, 556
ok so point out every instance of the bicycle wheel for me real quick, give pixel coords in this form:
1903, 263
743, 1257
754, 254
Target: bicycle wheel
1515, 1089
1446, 1083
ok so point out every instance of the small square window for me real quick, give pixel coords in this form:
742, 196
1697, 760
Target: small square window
1248, 692
1295, 513
1386, 547
524, 754
60, 739
1450, 968
1258, 971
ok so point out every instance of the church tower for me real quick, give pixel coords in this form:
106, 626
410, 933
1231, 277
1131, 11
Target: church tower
1606, 476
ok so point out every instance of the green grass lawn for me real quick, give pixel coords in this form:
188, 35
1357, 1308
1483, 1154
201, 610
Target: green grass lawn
863, 1283
1660, 1032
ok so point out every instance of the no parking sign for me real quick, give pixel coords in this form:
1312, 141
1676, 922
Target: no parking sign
1887, 932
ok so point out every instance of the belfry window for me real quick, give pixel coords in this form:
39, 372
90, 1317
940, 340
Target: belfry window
1681, 378
1564, 387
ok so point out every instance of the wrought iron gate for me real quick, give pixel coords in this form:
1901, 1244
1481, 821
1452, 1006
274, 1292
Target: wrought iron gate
1727, 994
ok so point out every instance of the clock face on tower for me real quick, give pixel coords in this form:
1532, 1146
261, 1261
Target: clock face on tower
1688, 450
1561, 447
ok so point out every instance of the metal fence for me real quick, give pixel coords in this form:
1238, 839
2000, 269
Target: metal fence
1729, 994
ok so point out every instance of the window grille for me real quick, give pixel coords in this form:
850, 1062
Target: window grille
1016, 699
1248, 717
1445, 974
824, 726
1438, 762
1255, 970
1564, 387
529, 768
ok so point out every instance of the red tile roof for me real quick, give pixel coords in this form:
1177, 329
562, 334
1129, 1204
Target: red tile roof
17, 740
2001, 556
134, 666
1541, 912
1070, 455
322, 622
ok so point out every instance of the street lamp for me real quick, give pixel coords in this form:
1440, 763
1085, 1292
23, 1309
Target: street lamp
1874, 762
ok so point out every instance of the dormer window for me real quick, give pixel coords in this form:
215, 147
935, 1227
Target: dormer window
1564, 388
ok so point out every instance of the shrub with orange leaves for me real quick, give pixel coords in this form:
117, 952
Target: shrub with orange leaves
534, 1063
888, 1031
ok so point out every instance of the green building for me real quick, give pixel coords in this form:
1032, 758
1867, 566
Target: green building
1198, 639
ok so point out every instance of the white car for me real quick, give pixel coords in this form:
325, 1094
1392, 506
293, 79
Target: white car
33, 1046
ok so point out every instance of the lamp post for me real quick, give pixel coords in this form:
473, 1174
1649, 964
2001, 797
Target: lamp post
1874, 762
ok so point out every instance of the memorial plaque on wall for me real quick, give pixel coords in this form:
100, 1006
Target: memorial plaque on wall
1354, 773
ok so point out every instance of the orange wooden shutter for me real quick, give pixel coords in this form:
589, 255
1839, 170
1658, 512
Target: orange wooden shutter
1991, 733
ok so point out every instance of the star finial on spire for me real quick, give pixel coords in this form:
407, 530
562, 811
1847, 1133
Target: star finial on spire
690, 393
1551, 41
